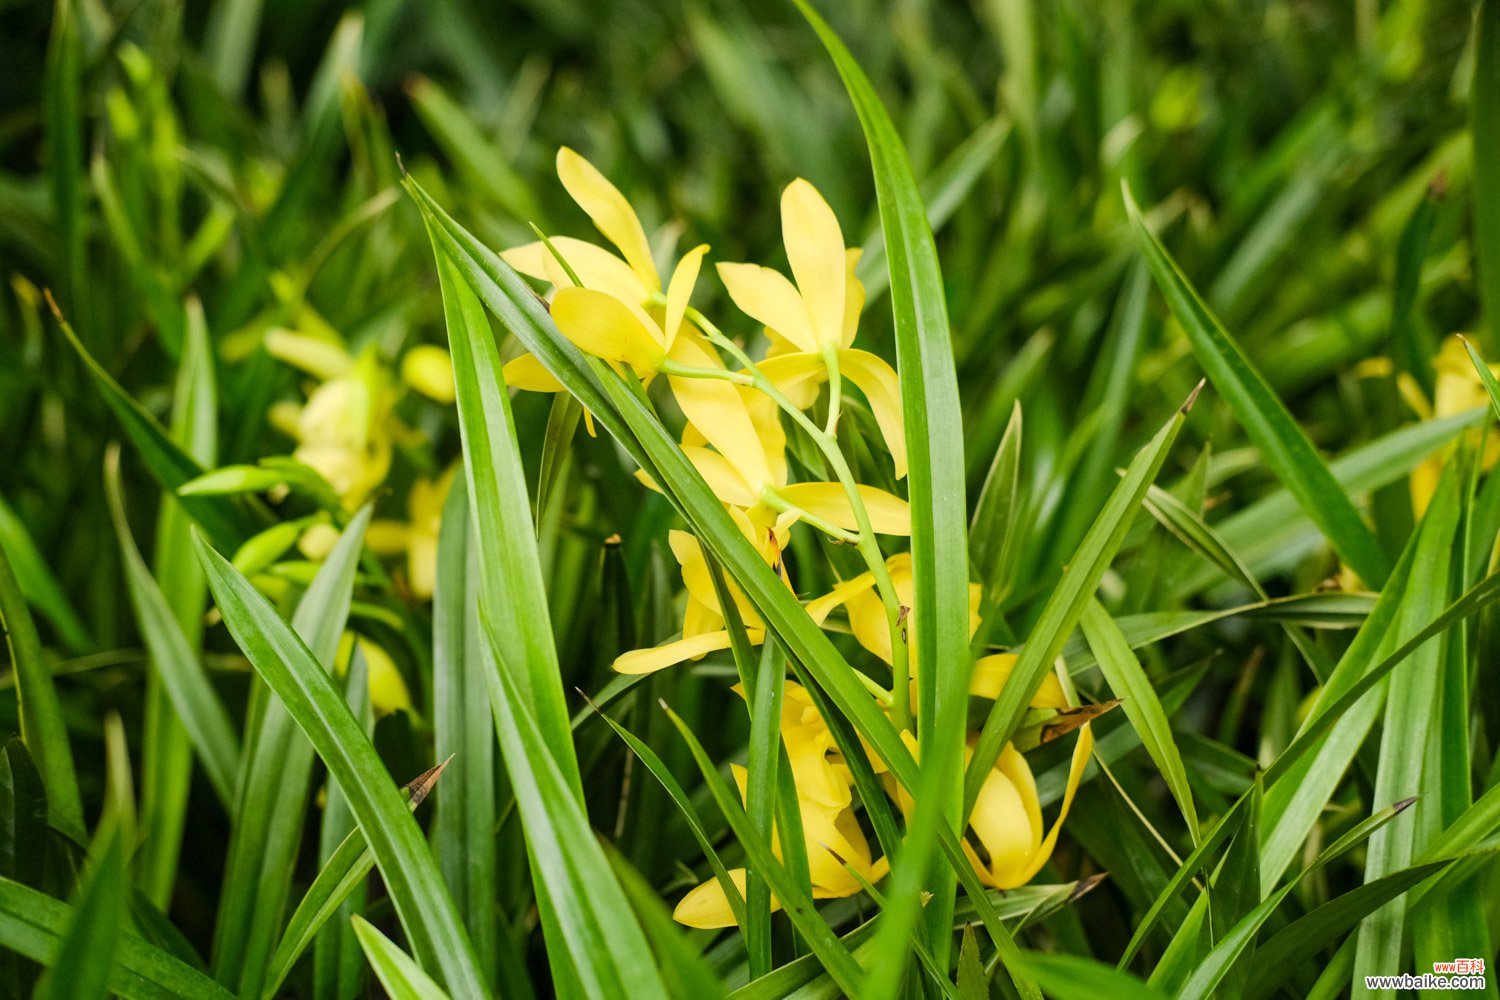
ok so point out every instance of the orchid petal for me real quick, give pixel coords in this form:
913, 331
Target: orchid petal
877, 380
889, 514
610, 211
768, 297
608, 328
815, 249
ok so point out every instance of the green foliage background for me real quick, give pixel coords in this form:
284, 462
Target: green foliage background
186, 178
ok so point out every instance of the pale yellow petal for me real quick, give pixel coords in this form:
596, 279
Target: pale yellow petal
718, 411
854, 297
815, 249
596, 268
889, 514
819, 608
767, 296
648, 661
607, 328
428, 369
722, 477
707, 908
528, 373
610, 211
1081, 752
877, 380
680, 290
868, 622
1004, 826
698, 619
529, 258
320, 358
991, 672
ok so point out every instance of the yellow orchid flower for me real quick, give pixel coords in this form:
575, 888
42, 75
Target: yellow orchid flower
867, 620
703, 629
811, 324
1007, 817
417, 537
826, 804
746, 466
1457, 389
387, 688
612, 311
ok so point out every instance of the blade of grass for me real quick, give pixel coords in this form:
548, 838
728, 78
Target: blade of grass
80, 967
42, 726
172, 656
1282, 442
402, 978
301, 683
464, 818
1066, 605
1127, 679
337, 965
764, 767
512, 593
39, 584
344, 871
935, 455
273, 785
1484, 125
227, 521
33, 924
591, 925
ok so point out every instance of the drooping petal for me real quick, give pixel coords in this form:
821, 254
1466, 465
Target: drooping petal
428, 369
889, 514
877, 380
698, 619
528, 373
1003, 824
607, 328
648, 661
819, 608
320, 358
680, 290
1081, 752
717, 410
765, 295
707, 908
610, 211
815, 249
868, 622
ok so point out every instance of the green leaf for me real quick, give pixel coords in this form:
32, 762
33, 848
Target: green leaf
592, 928
1072, 977
33, 924
512, 594
406, 864
796, 899
993, 542
1067, 603
80, 967
464, 820
273, 783
226, 521
172, 656
935, 454
1491, 384
402, 978
684, 972
42, 725
338, 966
1484, 123
764, 769
1127, 679
1303, 939
39, 584
340, 876
1282, 442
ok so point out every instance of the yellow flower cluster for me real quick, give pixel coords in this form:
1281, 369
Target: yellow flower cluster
610, 303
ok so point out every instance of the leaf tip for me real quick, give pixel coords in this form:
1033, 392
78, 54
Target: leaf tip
1187, 406
1404, 804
